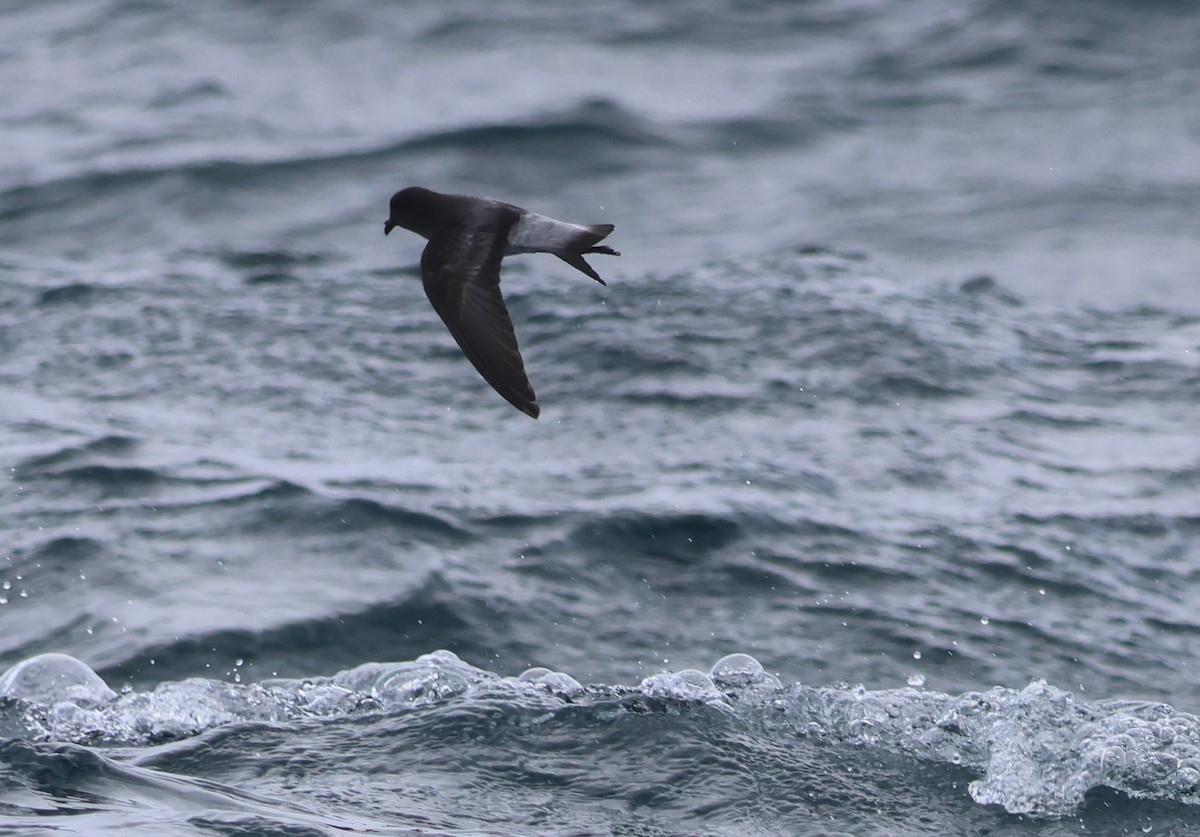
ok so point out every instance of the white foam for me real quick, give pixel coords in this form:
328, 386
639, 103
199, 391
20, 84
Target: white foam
52, 678
1034, 751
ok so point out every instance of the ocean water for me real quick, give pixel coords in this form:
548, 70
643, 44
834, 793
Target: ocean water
865, 499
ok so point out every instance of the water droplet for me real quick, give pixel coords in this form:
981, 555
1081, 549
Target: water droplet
983, 620
916, 655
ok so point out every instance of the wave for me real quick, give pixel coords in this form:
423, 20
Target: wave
586, 126
432, 612
67, 293
67, 780
591, 134
1037, 751
681, 538
111, 465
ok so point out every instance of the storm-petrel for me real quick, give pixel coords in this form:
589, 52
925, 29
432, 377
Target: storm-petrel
460, 269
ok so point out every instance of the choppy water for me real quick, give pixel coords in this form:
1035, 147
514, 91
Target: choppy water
896, 384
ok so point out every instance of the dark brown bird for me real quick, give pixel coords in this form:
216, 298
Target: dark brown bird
460, 269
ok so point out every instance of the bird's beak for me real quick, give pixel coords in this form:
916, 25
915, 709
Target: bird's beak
388, 226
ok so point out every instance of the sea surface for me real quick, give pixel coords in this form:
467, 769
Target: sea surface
865, 498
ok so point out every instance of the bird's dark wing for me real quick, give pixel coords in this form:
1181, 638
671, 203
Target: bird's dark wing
461, 275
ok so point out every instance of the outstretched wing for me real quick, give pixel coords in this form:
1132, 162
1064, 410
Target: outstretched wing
461, 275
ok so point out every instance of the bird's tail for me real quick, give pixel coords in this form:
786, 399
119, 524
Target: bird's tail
539, 234
586, 242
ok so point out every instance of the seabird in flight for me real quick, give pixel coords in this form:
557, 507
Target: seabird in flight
460, 269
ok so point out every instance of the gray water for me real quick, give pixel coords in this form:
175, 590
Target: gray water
864, 499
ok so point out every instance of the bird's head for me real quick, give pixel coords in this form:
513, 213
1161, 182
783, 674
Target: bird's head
411, 208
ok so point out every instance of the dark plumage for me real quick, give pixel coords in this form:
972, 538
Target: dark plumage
460, 269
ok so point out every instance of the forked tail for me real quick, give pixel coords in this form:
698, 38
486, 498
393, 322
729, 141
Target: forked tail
586, 242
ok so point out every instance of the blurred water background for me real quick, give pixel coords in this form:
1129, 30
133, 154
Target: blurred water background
864, 500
